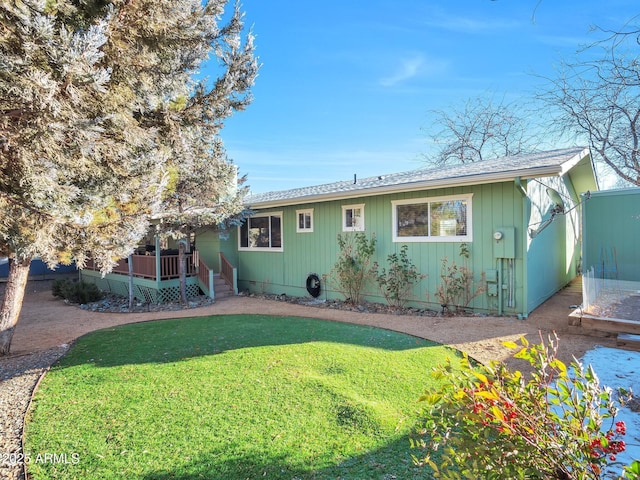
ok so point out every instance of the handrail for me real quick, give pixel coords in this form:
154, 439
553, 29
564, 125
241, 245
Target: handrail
205, 275
228, 273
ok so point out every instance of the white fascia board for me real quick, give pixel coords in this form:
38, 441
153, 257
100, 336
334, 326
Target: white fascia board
569, 164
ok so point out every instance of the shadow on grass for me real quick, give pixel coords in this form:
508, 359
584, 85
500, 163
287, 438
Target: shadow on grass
164, 341
382, 463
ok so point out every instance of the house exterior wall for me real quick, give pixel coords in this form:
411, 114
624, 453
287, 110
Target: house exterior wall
494, 207
208, 244
553, 255
229, 245
611, 230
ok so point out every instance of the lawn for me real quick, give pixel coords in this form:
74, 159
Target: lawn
232, 397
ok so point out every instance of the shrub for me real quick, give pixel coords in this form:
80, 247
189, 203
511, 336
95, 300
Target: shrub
353, 269
76, 292
489, 422
396, 283
458, 287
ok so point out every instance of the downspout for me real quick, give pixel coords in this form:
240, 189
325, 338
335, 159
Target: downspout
520, 187
500, 294
525, 270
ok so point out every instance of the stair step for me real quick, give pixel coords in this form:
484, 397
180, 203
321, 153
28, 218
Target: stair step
628, 341
221, 288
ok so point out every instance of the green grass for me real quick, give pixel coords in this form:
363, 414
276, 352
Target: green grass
232, 397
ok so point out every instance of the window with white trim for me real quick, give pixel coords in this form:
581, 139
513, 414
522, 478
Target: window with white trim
438, 219
353, 218
304, 220
262, 233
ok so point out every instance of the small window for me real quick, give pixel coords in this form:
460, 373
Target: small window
305, 221
353, 218
262, 232
443, 219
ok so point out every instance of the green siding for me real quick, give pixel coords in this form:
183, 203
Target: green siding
208, 244
530, 272
285, 272
553, 255
612, 230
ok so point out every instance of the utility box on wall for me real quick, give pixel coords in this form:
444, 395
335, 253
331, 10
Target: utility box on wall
504, 242
491, 277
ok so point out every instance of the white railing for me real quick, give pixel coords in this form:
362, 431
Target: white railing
599, 292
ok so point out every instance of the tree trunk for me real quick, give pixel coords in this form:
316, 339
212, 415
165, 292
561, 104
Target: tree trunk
12, 301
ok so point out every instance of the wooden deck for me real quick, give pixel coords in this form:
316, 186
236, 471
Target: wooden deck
144, 266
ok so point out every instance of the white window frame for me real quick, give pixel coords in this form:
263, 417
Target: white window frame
432, 238
306, 211
360, 225
263, 249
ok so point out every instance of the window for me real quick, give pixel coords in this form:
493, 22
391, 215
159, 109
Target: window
262, 232
442, 219
305, 221
353, 218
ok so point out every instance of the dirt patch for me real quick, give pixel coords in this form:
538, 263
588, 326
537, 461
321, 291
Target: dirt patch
623, 306
628, 308
48, 322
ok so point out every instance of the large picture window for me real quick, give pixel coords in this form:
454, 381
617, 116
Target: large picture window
262, 232
442, 219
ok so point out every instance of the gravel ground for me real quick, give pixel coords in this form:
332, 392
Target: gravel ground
18, 377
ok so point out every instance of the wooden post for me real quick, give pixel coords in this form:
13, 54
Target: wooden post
158, 278
212, 293
131, 297
182, 260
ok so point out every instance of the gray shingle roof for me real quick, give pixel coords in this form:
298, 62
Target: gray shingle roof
541, 164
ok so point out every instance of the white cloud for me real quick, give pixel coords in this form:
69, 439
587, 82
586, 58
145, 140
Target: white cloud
413, 67
463, 24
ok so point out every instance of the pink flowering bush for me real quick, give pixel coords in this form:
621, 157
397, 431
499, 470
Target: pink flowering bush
492, 423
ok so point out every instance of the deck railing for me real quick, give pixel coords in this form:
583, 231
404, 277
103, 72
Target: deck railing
144, 266
228, 273
205, 275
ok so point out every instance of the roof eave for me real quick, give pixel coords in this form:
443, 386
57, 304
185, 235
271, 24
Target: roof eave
484, 178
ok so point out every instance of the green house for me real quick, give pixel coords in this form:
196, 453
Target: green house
518, 217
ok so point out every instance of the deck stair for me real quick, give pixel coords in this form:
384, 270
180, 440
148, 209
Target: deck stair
628, 341
221, 288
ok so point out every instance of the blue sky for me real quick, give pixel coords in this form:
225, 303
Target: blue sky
347, 86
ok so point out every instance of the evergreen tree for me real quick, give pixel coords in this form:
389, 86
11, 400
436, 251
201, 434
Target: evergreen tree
101, 121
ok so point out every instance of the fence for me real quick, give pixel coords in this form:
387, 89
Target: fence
598, 292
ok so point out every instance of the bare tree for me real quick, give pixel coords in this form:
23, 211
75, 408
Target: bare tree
598, 96
480, 129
